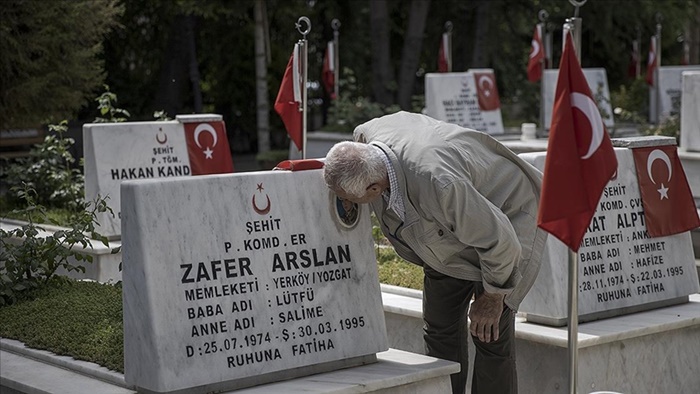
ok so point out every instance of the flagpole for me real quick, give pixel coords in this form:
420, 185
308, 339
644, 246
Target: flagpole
335, 24
542, 26
573, 26
638, 66
304, 54
448, 50
657, 59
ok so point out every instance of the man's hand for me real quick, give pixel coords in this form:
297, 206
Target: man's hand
485, 314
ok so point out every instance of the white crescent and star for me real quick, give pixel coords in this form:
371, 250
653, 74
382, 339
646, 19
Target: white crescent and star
208, 128
535, 49
483, 81
658, 154
586, 105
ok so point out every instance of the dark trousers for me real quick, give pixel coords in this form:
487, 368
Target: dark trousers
445, 308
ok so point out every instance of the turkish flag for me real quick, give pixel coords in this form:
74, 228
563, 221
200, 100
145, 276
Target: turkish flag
634, 60
288, 102
685, 58
486, 91
580, 158
207, 148
536, 62
444, 65
328, 73
669, 207
652, 61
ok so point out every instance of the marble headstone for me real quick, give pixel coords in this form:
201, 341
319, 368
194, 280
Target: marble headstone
115, 152
670, 85
597, 79
242, 279
621, 269
469, 99
690, 112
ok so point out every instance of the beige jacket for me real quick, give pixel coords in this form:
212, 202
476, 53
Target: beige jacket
470, 203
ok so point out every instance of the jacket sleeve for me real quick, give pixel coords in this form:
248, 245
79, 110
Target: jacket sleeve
479, 224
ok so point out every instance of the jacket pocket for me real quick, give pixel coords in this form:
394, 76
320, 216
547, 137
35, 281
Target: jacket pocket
441, 242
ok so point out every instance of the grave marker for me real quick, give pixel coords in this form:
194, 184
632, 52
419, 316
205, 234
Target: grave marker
238, 280
114, 152
598, 83
621, 268
690, 112
469, 99
670, 85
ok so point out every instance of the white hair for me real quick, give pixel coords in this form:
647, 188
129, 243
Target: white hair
353, 166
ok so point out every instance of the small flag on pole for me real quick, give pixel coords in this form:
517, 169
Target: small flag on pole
328, 73
685, 58
444, 58
580, 159
289, 101
633, 68
652, 61
537, 56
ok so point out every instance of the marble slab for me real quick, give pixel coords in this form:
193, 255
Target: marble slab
597, 79
115, 152
243, 279
690, 111
670, 85
454, 98
621, 269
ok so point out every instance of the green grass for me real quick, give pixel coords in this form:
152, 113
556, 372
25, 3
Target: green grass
57, 215
78, 319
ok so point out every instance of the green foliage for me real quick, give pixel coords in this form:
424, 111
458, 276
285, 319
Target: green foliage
78, 319
30, 256
48, 171
352, 109
161, 116
50, 63
396, 271
106, 104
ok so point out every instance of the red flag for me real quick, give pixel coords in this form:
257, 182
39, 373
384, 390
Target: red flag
535, 64
328, 74
486, 91
652, 61
685, 58
669, 207
633, 68
444, 65
207, 148
288, 102
580, 158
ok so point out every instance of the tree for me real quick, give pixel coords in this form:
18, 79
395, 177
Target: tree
410, 56
50, 65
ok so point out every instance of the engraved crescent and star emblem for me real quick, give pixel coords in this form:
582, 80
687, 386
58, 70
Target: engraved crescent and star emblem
258, 210
208, 153
658, 154
586, 105
165, 136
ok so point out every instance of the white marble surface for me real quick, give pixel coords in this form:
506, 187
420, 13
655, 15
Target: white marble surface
267, 226
670, 85
614, 274
452, 97
690, 111
597, 79
654, 351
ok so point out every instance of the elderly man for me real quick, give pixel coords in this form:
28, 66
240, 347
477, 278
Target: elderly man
461, 205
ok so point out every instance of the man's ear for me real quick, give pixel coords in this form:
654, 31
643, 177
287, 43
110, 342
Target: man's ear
374, 188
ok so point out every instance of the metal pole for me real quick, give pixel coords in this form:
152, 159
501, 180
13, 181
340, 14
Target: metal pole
574, 24
542, 29
335, 24
303, 52
448, 49
657, 93
638, 51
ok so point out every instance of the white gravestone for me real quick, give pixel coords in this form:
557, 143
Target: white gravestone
238, 280
454, 98
620, 268
597, 80
690, 112
115, 152
670, 85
